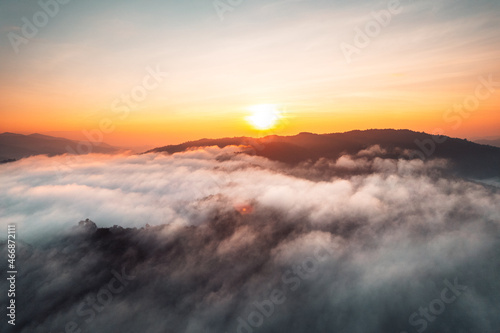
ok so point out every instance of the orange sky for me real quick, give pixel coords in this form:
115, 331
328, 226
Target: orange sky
167, 74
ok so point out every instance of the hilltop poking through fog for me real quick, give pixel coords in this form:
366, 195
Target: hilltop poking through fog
468, 159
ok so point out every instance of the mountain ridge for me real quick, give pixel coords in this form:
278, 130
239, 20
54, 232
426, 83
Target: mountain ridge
469, 159
15, 146
494, 143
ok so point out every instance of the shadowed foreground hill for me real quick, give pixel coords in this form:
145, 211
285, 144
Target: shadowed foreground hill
469, 159
344, 276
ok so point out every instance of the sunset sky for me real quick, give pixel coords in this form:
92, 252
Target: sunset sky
201, 68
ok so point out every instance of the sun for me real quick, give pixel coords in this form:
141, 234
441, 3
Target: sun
264, 116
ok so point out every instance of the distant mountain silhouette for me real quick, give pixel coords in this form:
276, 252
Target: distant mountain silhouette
468, 159
495, 143
15, 146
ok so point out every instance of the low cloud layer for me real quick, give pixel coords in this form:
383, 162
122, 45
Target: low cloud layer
238, 243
